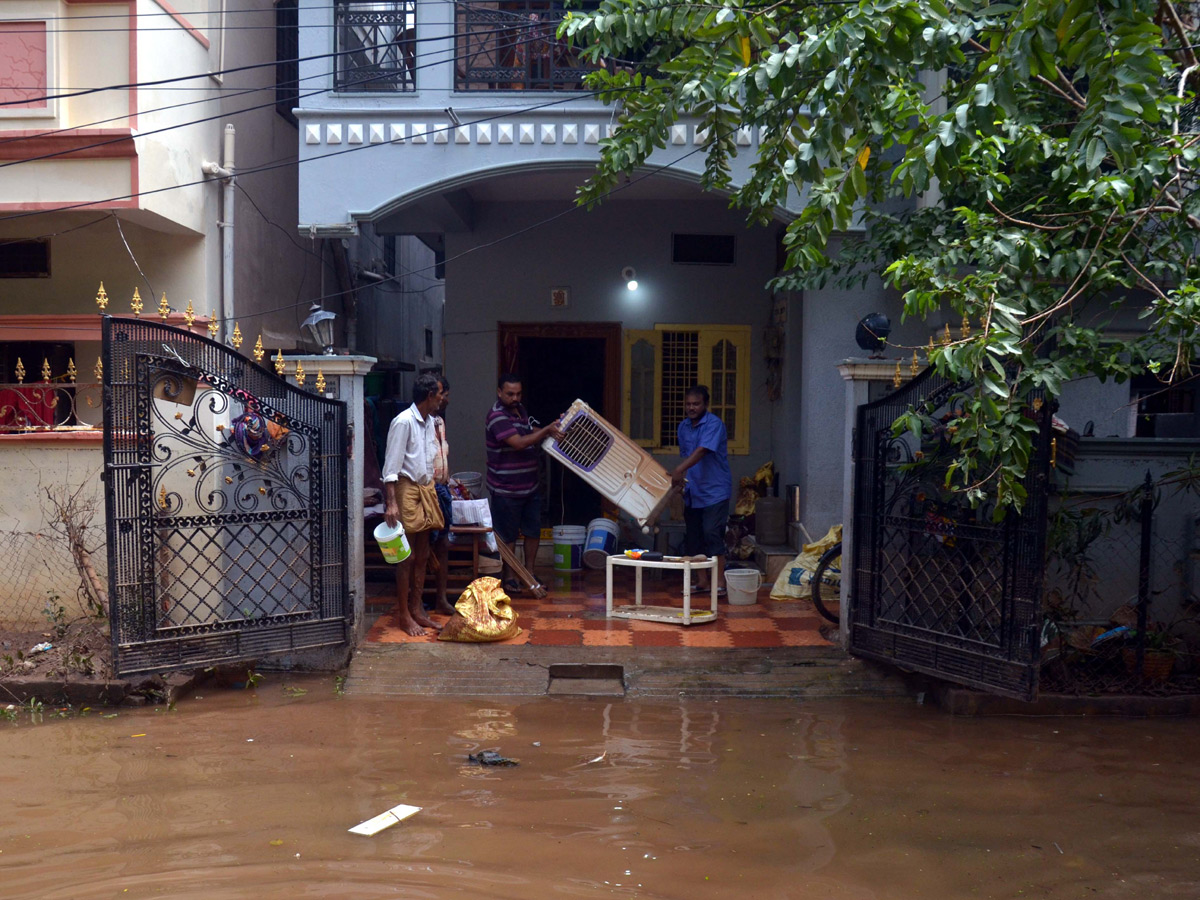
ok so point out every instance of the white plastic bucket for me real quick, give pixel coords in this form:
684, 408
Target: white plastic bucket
568, 547
601, 542
393, 543
472, 483
742, 586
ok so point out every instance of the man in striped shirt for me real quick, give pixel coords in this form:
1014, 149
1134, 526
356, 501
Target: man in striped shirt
512, 471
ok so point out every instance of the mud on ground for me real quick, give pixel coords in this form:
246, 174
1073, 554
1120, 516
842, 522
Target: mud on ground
79, 650
76, 668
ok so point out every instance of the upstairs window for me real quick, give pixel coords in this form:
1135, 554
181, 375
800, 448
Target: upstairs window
376, 46
512, 46
25, 258
287, 63
1164, 410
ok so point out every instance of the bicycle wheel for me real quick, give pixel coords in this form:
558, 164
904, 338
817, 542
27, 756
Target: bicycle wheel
827, 597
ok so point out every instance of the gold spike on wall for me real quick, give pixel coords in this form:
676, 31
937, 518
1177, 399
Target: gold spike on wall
99, 370
189, 315
236, 338
897, 379
258, 350
213, 327
280, 365
914, 365
20, 371
300, 376
102, 298
136, 303
45, 370
320, 382
946, 338
72, 372
965, 330
164, 308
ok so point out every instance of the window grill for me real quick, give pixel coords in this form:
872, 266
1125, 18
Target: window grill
680, 370
376, 45
514, 46
584, 442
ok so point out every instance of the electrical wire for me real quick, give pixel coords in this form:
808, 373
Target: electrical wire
339, 294
135, 85
221, 115
288, 162
508, 113
546, 221
129, 250
175, 14
42, 237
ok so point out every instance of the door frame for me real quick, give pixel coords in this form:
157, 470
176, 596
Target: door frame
508, 333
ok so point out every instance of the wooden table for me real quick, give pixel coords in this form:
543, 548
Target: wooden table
670, 614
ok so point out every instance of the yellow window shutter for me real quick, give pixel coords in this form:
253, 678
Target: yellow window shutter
725, 368
642, 375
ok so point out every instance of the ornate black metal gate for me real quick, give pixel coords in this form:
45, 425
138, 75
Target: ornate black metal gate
225, 494
938, 587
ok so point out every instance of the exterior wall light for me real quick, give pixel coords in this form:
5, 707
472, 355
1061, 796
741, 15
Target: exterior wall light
319, 326
630, 278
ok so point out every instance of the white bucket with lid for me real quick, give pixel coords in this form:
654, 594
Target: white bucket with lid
393, 543
742, 586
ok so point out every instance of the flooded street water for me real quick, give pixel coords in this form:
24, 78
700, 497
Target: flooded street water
248, 794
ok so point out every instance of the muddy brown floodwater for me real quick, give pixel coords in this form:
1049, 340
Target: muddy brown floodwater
249, 794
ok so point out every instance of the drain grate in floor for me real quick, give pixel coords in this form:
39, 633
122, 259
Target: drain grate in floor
587, 680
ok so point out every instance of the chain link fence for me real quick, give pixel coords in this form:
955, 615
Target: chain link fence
40, 577
1122, 608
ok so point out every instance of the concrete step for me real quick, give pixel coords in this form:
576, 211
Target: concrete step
652, 673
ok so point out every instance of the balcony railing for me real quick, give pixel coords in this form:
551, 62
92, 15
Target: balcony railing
511, 46
49, 406
376, 45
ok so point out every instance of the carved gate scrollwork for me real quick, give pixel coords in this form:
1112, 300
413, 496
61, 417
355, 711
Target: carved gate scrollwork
225, 493
938, 586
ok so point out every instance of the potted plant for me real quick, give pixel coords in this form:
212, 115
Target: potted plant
1159, 652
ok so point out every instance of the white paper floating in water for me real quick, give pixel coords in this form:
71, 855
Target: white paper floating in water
385, 820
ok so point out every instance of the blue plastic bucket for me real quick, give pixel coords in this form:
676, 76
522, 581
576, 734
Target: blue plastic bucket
601, 542
568, 547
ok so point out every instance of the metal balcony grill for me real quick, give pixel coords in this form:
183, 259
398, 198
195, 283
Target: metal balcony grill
513, 46
376, 46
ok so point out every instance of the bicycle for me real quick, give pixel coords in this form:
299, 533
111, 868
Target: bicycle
829, 605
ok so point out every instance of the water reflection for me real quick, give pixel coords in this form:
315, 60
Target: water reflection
250, 795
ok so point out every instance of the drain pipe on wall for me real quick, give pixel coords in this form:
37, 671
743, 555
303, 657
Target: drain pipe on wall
225, 173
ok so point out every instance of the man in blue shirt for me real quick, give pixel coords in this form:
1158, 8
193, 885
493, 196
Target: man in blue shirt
704, 472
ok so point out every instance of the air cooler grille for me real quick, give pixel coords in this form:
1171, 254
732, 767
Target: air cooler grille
584, 442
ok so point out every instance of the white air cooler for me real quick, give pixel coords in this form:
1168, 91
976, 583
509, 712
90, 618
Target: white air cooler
619, 469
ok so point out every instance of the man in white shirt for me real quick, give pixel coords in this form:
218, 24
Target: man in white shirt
410, 498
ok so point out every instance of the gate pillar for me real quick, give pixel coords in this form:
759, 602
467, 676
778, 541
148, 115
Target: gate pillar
344, 381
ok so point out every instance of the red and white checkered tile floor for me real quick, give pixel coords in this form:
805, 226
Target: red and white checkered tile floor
572, 615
